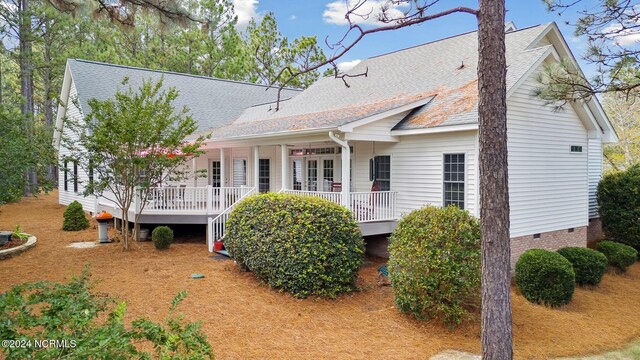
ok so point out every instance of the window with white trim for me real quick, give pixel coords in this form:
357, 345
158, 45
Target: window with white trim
66, 175
380, 172
454, 166
75, 175
264, 183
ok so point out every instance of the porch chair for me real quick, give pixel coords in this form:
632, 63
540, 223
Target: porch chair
336, 186
365, 209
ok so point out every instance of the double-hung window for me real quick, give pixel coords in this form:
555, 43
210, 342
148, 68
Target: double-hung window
75, 175
380, 172
454, 167
66, 175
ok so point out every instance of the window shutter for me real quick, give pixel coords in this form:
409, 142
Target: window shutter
372, 169
239, 172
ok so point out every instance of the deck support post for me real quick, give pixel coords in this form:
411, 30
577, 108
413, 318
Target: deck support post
256, 167
284, 163
209, 199
223, 173
346, 167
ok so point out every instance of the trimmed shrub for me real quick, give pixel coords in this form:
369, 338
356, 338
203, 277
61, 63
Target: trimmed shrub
74, 218
589, 265
618, 255
545, 277
162, 237
619, 206
434, 264
302, 245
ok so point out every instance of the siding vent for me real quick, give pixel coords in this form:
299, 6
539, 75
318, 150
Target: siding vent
571, 230
576, 148
536, 236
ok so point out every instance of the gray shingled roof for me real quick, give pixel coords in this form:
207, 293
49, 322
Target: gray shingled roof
429, 70
212, 102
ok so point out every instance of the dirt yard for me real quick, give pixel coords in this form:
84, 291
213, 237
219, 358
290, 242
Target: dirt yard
246, 320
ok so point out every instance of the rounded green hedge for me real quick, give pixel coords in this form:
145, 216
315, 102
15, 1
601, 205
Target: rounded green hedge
545, 277
618, 255
162, 237
619, 206
302, 245
74, 218
589, 265
434, 264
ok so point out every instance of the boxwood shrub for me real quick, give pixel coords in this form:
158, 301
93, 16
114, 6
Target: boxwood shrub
74, 218
589, 265
434, 264
302, 245
620, 256
545, 277
619, 206
162, 237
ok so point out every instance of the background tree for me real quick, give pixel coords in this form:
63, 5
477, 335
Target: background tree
611, 29
624, 113
19, 153
132, 143
197, 36
494, 192
273, 54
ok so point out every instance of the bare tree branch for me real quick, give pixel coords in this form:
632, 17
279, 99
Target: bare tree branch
413, 16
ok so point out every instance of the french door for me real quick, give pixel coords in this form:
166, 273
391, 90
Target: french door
312, 174
215, 174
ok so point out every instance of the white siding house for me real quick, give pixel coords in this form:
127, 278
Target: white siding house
396, 140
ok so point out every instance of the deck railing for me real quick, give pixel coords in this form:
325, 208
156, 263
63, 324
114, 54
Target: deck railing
366, 206
217, 225
189, 200
335, 197
373, 206
176, 199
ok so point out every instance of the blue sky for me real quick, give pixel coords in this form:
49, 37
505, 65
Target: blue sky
297, 17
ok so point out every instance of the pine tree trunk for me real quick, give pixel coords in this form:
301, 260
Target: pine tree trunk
26, 85
48, 97
497, 340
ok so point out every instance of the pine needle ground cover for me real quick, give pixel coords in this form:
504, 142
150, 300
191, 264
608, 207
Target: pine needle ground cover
246, 320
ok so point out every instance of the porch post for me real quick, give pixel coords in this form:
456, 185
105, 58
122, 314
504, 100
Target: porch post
284, 164
346, 176
223, 174
194, 172
256, 167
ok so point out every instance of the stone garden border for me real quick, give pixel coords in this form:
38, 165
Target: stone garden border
7, 253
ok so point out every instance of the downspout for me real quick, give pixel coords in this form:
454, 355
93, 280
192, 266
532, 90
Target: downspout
346, 176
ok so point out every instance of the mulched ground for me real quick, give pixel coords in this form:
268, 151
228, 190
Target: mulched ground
246, 320
15, 242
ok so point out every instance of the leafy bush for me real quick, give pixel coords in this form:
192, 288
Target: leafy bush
434, 264
589, 265
72, 312
619, 206
618, 255
162, 237
17, 232
302, 245
545, 277
74, 218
